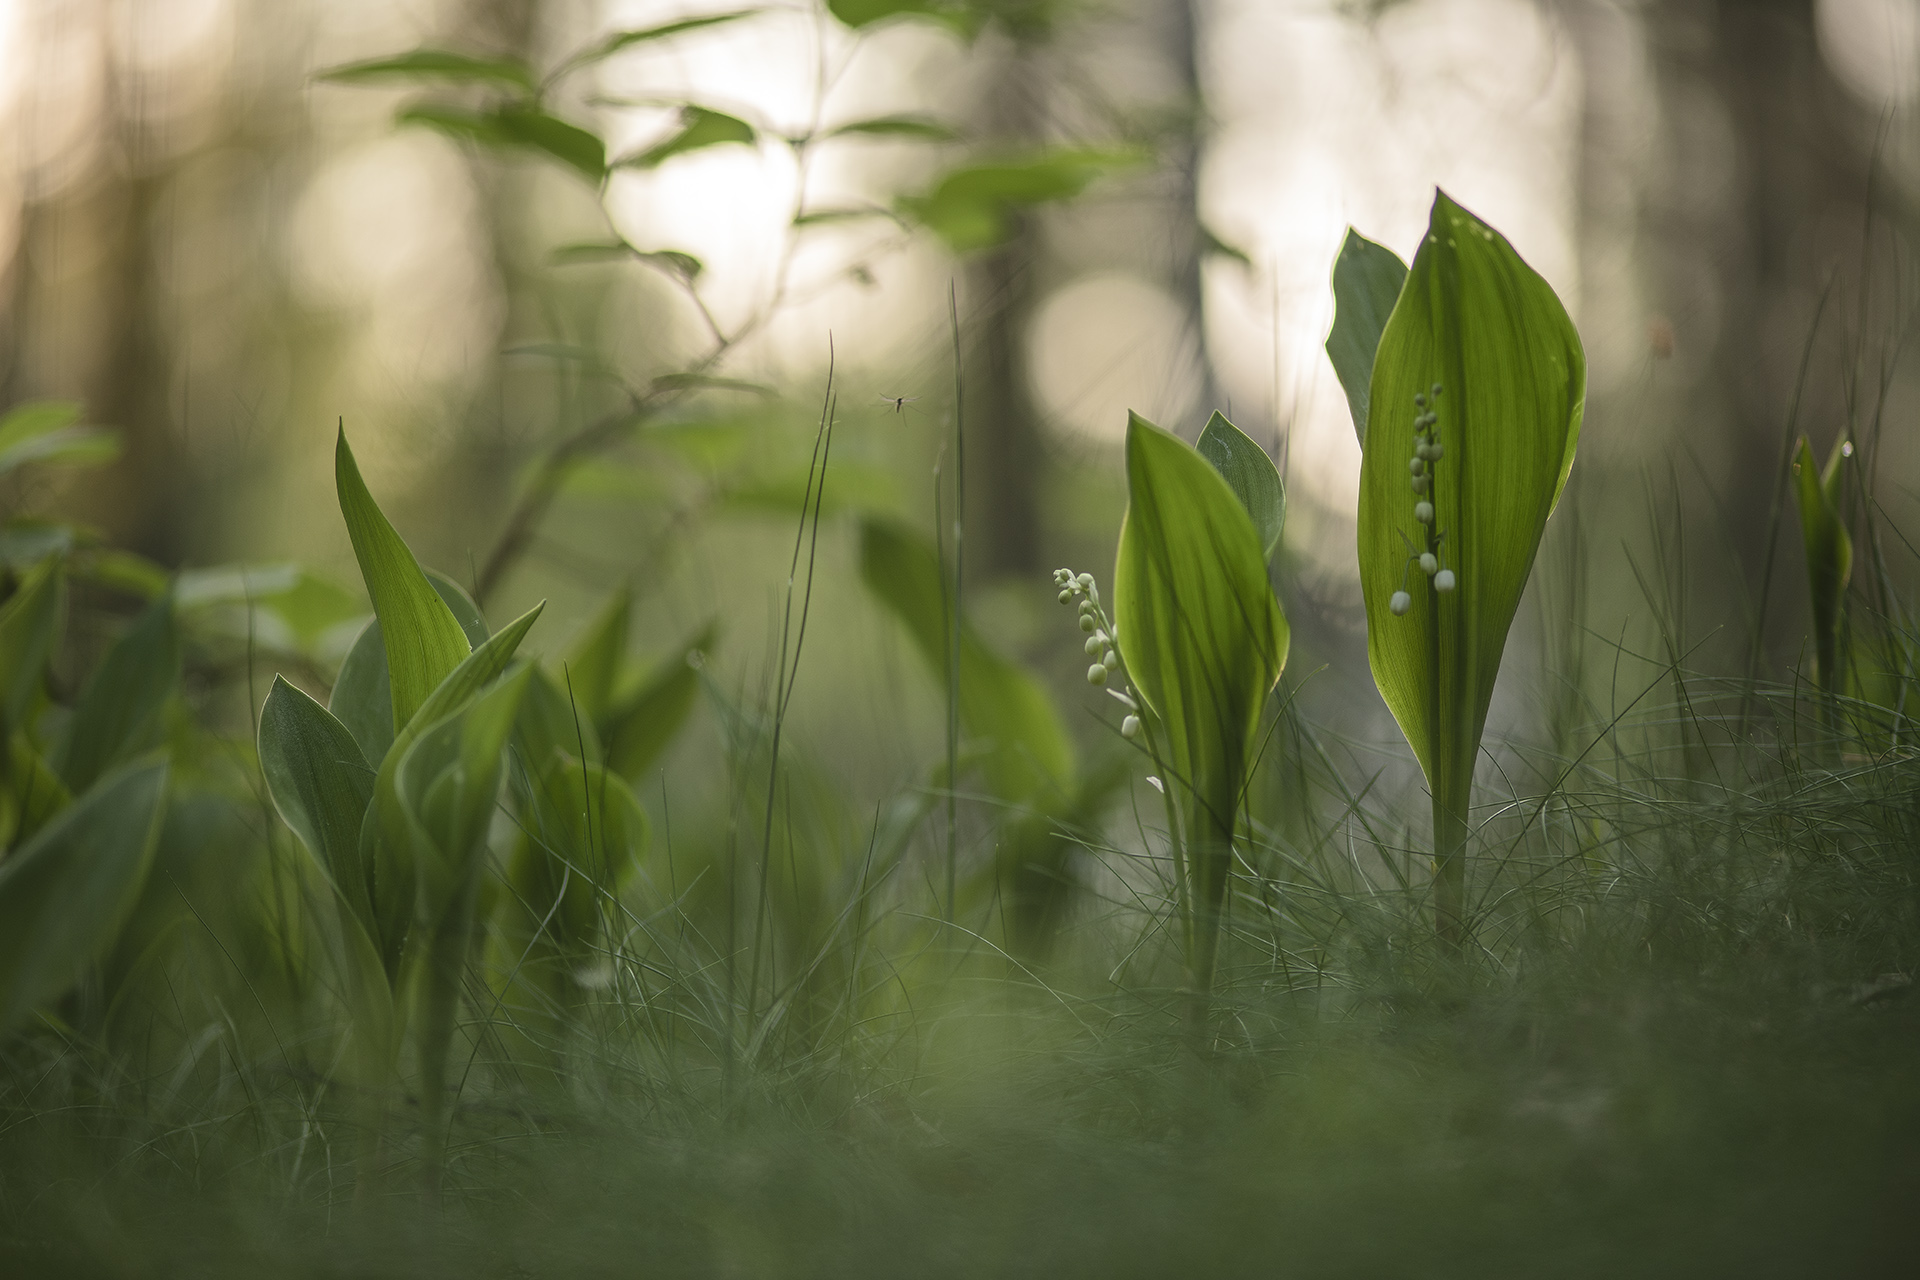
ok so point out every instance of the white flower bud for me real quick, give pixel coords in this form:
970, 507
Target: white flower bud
1429, 563
1112, 659
1443, 580
1435, 452
1065, 596
1130, 727
1096, 675
1416, 467
1400, 603
1419, 400
1095, 643
1423, 512
1436, 391
1087, 624
1420, 484
1086, 579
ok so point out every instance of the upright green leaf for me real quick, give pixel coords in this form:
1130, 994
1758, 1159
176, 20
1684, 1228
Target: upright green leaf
1367, 279
1026, 754
1250, 473
593, 668
321, 785
119, 709
1478, 323
585, 838
29, 623
641, 721
65, 894
424, 641
362, 697
1203, 640
700, 127
1823, 530
434, 65
448, 782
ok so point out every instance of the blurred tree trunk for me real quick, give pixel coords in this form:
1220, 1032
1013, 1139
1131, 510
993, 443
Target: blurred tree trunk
1005, 456
1186, 232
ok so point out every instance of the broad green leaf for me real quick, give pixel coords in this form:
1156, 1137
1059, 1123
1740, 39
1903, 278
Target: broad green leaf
1479, 323
119, 709
30, 792
362, 697
65, 894
614, 43
593, 668
122, 571
292, 606
1367, 279
641, 721
516, 125
918, 127
440, 65
448, 782
424, 640
586, 836
29, 624
321, 785
964, 18
1026, 757
1829, 546
1250, 473
700, 127
973, 207
47, 431
552, 723
386, 845
1203, 640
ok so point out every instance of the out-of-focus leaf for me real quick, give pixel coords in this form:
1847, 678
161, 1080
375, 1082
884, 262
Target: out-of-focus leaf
552, 723
25, 543
1203, 640
617, 41
700, 127
641, 721
424, 639
973, 207
1028, 756
119, 709
321, 784
707, 381
30, 793
121, 571
362, 698
29, 624
682, 266
442, 65
854, 487
828, 217
593, 668
1250, 473
1367, 279
448, 782
919, 128
516, 125
66, 892
48, 431
961, 17
1823, 531
306, 604
1213, 244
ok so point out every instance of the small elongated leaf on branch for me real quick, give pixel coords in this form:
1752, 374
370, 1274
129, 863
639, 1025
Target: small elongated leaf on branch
700, 127
433, 65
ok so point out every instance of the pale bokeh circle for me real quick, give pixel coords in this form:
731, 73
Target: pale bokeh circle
1873, 47
1106, 344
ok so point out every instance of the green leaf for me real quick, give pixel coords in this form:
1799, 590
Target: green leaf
424, 640
973, 207
827, 217
25, 543
586, 836
362, 698
321, 784
641, 721
65, 894
1203, 640
1250, 473
593, 668
30, 792
1823, 531
119, 710
29, 624
963, 18
1027, 757
435, 65
699, 128
1475, 320
387, 847
448, 782
552, 723
44, 431
1367, 279
122, 571
515, 125
916, 127
1211, 243
619, 40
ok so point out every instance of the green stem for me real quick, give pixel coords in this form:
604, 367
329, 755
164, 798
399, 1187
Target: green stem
446, 958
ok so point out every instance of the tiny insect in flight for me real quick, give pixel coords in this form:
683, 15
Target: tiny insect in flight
899, 403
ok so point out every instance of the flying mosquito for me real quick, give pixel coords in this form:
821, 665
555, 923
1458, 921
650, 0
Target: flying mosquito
899, 403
